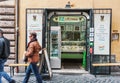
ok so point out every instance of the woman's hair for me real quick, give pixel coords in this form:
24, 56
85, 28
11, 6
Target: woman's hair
33, 34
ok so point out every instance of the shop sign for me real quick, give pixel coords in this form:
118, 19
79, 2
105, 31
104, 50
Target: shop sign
34, 24
68, 18
102, 34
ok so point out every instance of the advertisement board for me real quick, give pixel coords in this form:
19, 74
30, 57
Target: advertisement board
34, 24
102, 34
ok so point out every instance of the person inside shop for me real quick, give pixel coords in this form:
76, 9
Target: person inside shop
4, 54
32, 54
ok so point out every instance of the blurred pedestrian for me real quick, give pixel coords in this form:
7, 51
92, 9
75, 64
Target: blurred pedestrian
4, 54
32, 55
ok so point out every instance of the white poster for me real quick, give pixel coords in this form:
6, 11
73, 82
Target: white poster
102, 34
34, 24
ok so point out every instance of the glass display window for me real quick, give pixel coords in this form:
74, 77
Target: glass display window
62, 28
77, 36
69, 27
63, 35
77, 28
54, 43
72, 33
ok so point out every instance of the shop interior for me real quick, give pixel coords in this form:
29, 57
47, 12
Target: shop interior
72, 38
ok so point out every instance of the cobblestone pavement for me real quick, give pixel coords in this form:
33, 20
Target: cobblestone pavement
73, 78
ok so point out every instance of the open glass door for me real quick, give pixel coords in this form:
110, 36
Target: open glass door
55, 45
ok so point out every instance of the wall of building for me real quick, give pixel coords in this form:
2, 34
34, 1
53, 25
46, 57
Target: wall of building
8, 3
115, 44
23, 4
7, 24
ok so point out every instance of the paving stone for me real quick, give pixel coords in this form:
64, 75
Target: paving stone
79, 78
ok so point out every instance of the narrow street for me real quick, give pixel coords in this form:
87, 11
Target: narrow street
73, 78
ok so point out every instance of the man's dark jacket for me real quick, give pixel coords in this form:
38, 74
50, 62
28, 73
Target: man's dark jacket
4, 48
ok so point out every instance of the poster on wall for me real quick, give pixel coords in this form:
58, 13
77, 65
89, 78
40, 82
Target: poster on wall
102, 34
34, 24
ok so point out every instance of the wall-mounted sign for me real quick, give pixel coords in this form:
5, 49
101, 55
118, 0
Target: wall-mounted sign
91, 29
91, 43
34, 24
69, 18
115, 36
91, 34
91, 39
102, 34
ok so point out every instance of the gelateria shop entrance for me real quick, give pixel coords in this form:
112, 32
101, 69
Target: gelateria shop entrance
68, 38
74, 38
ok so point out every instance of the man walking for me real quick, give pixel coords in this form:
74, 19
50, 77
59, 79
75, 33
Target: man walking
4, 54
32, 55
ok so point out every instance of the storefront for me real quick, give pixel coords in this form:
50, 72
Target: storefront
72, 34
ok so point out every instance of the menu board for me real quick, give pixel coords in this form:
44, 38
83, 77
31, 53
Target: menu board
34, 24
102, 34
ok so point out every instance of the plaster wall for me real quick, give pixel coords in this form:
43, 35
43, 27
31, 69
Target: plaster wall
81, 4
